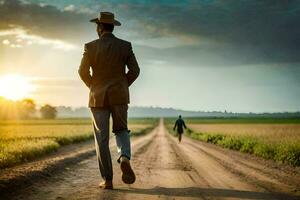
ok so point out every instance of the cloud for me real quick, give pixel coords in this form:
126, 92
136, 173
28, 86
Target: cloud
22, 36
70, 7
248, 31
44, 20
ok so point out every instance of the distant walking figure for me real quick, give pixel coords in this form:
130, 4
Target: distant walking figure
107, 58
180, 125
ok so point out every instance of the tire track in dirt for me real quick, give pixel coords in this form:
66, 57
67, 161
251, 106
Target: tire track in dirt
270, 179
163, 172
232, 171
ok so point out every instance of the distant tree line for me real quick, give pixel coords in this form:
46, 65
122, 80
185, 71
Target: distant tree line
48, 112
25, 109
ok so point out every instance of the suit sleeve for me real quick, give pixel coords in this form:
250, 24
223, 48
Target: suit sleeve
175, 125
84, 68
133, 67
184, 124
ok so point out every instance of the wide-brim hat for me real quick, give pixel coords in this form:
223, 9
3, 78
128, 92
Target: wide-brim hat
106, 18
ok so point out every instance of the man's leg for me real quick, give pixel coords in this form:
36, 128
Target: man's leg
101, 133
179, 137
119, 115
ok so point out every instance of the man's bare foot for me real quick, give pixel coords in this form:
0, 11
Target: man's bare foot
128, 175
106, 185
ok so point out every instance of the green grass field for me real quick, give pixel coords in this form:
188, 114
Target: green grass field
277, 139
24, 140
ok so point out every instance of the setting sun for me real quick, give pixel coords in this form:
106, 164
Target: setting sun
15, 87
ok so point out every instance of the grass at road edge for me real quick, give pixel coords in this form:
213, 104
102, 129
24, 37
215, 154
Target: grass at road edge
143, 131
284, 153
29, 140
20, 150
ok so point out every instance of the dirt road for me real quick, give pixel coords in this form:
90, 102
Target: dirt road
166, 169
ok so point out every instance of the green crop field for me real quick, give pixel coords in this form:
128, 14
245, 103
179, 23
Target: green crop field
24, 140
277, 139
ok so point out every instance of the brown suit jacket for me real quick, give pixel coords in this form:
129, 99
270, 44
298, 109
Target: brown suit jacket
107, 58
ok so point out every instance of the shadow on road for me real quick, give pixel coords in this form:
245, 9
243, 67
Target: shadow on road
204, 192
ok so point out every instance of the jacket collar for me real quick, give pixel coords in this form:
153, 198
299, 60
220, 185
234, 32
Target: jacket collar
105, 35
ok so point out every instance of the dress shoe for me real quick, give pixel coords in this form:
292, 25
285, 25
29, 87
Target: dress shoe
128, 175
106, 185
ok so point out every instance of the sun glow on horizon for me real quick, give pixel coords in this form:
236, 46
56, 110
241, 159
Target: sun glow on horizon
15, 87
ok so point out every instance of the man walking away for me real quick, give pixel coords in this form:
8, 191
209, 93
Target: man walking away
180, 125
107, 58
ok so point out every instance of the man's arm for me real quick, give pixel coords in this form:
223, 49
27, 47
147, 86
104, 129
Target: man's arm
184, 124
133, 67
84, 68
175, 125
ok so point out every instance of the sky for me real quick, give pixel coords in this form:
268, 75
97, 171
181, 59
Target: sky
202, 55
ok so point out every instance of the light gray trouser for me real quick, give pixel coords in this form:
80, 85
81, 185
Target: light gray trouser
101, 132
